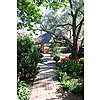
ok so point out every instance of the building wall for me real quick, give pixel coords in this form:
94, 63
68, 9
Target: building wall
46, 50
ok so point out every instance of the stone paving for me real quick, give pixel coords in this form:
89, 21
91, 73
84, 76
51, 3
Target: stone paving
46, 86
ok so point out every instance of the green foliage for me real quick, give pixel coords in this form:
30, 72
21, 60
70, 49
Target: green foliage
55, 4
78, 68
56, 58
70, 73
79, 89
22, 90
27, 13
71, 17
28, 56
60, 75
73, 86
74, 69
53, 49
69, 84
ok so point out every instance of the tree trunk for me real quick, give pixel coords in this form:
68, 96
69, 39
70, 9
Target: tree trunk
74, 48
74, 51
81, 50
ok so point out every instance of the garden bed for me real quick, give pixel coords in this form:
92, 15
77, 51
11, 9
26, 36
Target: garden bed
71, 75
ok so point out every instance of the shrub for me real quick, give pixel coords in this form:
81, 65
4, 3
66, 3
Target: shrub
79, 89
53, 49
56, 58
22, 90
28, 56
71, 67
58, 65
60, 75
73, 86
69, 84
70, 73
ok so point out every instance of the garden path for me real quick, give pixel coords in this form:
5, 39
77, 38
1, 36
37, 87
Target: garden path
46, 86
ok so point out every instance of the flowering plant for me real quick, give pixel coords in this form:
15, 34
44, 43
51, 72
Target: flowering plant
73, 67
61, 60
70, 73
76, 59
82, 60
64, 59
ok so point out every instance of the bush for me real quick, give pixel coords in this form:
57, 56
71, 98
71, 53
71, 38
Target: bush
53, 49
79, 89
71, 67
70, 73
22, 90
60, 75
69, 84
73, 86
56, 58
28, 56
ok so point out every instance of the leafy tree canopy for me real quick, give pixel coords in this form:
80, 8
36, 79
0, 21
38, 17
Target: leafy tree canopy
27, 14
72, 18
28, 11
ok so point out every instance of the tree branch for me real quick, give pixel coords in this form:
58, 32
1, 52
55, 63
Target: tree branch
67, 29
79, 24
79, 29
82, 12
64, 25
60, 26
78, 9
67, 41
71, 7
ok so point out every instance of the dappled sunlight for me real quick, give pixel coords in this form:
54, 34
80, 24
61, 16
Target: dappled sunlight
46, 86
50, 59
45, 71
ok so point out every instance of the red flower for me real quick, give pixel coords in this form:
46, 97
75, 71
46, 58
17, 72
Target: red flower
73, 60
68, 58
61, 60
76, 59
82, 60
65, 58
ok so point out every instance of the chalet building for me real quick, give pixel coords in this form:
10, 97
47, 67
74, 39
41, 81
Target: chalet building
44, 40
